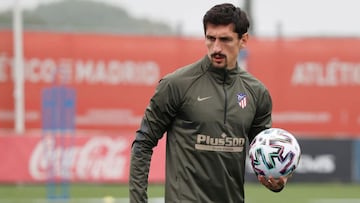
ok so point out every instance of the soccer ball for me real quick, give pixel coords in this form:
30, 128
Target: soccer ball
274, 152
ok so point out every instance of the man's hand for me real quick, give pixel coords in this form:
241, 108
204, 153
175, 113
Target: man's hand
275, 185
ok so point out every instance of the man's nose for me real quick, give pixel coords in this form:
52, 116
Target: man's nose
217, 46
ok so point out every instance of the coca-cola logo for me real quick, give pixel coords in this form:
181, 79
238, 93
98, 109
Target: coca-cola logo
99, 158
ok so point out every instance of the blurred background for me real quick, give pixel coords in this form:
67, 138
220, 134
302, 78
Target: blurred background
77, 75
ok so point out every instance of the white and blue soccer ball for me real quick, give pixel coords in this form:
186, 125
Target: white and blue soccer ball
274, 152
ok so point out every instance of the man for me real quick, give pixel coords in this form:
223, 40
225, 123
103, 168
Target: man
208, 110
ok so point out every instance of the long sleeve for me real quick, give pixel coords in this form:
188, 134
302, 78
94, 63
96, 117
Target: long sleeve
262, 118
158, 116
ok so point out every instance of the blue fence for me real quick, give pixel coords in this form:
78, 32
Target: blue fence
58, 121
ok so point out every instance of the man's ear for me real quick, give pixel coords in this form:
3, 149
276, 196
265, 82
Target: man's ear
244, 39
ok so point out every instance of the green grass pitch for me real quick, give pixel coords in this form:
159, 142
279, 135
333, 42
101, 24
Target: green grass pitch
255, 193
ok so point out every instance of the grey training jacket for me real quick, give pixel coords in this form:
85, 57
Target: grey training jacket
207, 114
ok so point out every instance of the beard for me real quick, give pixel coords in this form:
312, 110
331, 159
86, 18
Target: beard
219, 60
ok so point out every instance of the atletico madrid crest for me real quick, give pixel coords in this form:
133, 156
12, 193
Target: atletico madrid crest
241, 98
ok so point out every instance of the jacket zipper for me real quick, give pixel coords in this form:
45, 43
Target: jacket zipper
225, 93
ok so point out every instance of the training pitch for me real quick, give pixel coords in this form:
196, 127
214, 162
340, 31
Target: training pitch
118, 193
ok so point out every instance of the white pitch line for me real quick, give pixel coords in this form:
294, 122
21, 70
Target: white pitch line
78, 200
337, 200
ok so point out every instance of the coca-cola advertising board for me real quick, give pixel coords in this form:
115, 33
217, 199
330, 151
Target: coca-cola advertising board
105, 158
63, 156
357, 160
314, 82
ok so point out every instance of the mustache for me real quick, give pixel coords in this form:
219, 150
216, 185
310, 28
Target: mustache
217, 55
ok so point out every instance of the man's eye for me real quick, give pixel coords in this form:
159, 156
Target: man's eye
211, 38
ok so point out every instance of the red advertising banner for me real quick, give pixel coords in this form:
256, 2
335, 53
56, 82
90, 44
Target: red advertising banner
114, 76
80, 158
314, 82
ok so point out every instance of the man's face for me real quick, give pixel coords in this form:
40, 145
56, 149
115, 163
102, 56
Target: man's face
223, 45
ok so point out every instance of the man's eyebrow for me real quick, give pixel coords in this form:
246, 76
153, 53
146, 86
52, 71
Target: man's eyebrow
225, 38
220, 38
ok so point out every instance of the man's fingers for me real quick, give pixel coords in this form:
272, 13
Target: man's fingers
272, 183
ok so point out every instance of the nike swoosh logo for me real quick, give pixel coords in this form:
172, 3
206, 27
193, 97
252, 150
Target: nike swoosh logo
203, 99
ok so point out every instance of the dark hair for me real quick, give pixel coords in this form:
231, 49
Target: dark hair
225, 14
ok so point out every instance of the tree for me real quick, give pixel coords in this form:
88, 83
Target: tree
85, 16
